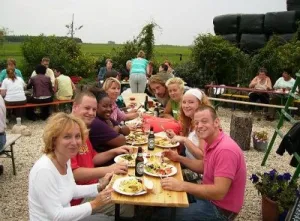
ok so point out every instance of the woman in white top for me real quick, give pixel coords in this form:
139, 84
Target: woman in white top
191, 101
13, 89
260, 82
51, 181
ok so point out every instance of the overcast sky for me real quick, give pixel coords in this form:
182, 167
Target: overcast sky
119, 20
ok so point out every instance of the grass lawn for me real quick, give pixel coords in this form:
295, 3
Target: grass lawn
161, 52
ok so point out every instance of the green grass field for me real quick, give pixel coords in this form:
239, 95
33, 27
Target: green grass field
161, 52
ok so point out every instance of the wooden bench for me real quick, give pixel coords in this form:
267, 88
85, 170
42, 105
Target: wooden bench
246, 97
55, 102
8, 149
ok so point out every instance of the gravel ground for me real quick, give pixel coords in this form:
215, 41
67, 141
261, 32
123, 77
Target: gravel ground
14, 189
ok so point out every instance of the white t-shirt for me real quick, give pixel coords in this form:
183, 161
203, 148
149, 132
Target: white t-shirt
2, 115
50, 193
14, 89
281, 83
194, 138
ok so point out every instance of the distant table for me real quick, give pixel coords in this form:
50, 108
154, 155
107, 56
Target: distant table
159, 197
139, 98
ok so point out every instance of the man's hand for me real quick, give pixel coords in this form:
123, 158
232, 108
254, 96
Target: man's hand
119, 168
105, 180
171, 183
123, 150
172, 155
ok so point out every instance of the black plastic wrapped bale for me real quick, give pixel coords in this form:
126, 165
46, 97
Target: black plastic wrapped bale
252, 24
226, 24
280, 22
241, 129
252, 42
285, 38
232, 38
293, 5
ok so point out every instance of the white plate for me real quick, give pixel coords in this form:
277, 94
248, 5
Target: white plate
173, 168
116, 187
169, 146
119, 159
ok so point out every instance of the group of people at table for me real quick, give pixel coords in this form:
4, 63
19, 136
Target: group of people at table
45, 83
70, 181
262, 82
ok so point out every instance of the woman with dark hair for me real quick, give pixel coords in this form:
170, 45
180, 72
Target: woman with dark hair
42, 92
106, 133
260, 82
138, 71
12, 89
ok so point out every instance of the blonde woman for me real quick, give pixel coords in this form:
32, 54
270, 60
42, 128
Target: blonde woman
51, 181
191, 101
138, 71
176, 89
112, 87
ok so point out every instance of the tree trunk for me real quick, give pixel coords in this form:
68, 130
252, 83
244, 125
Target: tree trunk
241, 129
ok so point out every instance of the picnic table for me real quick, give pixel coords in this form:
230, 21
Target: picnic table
139, 99
159, 196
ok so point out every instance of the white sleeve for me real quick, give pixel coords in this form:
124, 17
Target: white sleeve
46, 189
4, 84
33, 74
83, 191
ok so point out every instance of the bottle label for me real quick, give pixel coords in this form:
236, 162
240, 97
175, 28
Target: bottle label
151, 144
140, 168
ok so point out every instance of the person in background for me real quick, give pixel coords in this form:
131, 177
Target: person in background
106, 135
150, 69
125, 71
64, 87
2, 128
112, 87
11, 64
51, 181
176, 90
12, 89
113, 74
163, 73
104, 70
170, 69
221, 194
191, 101
283, 84
137, 78
260, 82
158, 88
42, 92
46, 61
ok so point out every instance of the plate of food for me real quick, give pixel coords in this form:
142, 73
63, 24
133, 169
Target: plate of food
130, 186
165, 142
137, 138
160, 169
130, 158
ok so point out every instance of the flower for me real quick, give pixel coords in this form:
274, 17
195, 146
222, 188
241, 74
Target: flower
260, 136
277, 187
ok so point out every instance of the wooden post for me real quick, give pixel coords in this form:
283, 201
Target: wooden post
241, 129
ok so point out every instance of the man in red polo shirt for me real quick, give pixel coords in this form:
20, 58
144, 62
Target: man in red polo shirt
221, 194
83, 164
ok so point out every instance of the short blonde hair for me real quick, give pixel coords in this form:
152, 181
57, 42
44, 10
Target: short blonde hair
177, 81
109, 81
56, 125
141, 54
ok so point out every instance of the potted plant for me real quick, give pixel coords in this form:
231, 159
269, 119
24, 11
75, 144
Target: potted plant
278, 192
260, 140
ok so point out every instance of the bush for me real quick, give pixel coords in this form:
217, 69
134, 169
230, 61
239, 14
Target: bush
62, 52
218, 59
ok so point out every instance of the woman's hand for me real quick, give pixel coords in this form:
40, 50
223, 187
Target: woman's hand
179, 139
103, 198
170, 133
109, 123
172, 155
